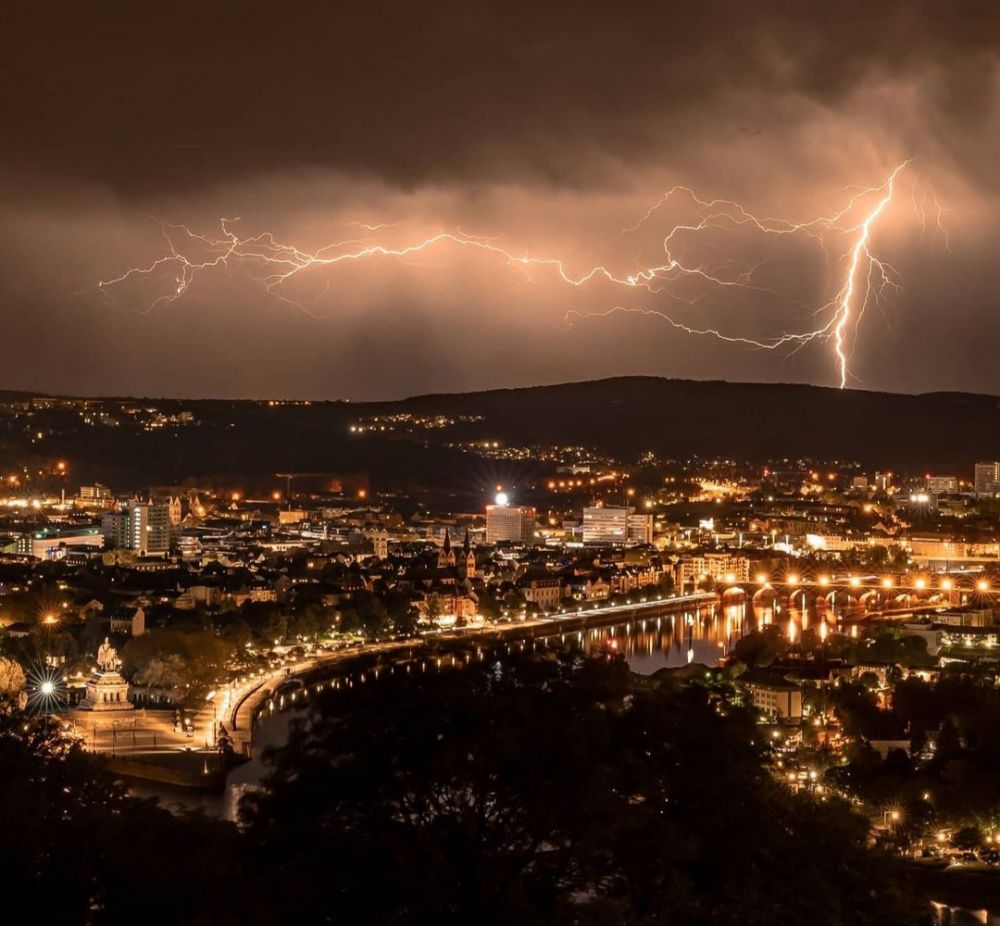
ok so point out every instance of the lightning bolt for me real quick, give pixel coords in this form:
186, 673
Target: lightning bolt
860, 254
274, 264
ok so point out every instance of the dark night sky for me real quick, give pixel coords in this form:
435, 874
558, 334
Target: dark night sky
549, 127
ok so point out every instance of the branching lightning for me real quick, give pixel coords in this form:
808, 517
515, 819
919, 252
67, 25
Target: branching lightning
863, 276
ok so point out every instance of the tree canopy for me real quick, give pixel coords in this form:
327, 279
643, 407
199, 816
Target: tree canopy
551, 789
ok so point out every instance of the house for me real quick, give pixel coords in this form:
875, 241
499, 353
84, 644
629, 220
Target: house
19, 629
772, 695
545, 593
126, 620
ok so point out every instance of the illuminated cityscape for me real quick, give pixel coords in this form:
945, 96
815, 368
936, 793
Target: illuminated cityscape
500, 463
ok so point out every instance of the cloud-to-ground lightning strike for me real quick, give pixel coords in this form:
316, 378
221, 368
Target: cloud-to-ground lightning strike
274, 264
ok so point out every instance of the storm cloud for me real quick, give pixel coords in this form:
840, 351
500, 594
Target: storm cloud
548, 127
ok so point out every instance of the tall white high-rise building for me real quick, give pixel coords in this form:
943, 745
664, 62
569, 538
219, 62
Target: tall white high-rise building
149, 528
987, 478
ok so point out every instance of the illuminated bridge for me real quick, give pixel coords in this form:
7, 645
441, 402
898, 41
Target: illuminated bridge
865, 592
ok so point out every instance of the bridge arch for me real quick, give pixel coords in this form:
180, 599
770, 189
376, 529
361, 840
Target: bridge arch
765, 597
869, 599
798, 598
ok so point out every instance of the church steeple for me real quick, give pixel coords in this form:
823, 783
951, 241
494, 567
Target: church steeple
446, 557
468, 557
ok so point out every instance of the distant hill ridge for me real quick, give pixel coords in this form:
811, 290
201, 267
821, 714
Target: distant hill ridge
628, 415
943, 432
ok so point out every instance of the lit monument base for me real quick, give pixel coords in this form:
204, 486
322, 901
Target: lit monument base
107, 692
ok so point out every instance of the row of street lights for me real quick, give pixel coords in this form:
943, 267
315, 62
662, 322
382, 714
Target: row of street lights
920, 583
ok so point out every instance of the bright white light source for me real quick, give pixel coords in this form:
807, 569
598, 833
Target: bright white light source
502, 499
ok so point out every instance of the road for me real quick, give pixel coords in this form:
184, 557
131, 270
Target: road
235, 703
244, 710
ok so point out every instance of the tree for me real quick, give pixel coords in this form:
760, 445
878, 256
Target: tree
809, 642
869, 680
402, 614
12, 679
173, 658
74, 843
93, 633
364, 613
968, 838
948, 744
551, 790
489, 606
761, 647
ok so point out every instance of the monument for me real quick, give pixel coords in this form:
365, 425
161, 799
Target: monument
106, 689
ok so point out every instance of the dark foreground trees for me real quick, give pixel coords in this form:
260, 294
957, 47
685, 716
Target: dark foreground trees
76, 850
551, 790
544, 789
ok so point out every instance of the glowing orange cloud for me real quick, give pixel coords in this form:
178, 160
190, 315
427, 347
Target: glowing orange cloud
864, 276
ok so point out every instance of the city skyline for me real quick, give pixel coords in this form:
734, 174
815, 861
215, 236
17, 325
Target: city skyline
531, 148
500, 462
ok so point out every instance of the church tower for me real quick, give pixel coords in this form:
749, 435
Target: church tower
468, 558
446, 556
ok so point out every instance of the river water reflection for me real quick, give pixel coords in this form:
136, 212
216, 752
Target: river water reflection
702, 634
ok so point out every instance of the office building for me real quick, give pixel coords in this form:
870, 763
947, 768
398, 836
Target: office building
883, 481
606, 525
510, 523
53, 544
96, 493
640, 528
149, 528
942, 485
115, 527
987, 478
725, 568
616, 526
